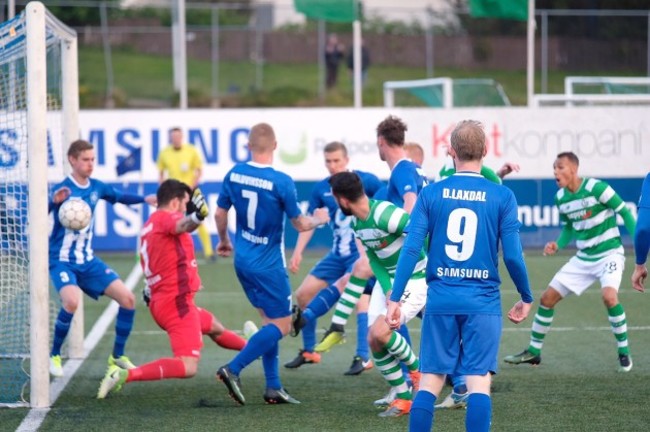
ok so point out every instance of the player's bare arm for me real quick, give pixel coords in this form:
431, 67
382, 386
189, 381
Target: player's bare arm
409, 201
296, 258
151, 200
305, 223
61, 195
393, 313
224, 247
197, 210
507, 168
186, 224
550, 248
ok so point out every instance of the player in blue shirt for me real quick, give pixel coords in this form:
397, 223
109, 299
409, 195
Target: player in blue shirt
465, 217
261, 197
642, 237
406, 179
322, 287
74, 268
458, 396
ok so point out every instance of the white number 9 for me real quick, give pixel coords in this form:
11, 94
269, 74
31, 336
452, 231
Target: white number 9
462, 237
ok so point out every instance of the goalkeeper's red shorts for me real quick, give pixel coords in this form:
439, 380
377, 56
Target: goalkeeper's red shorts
184, 322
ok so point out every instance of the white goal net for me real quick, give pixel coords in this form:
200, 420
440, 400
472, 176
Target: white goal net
38, 116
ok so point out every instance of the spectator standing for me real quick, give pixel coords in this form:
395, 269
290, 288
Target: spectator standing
334, 52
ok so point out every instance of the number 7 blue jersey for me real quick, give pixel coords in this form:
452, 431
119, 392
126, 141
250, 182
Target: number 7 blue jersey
261, 197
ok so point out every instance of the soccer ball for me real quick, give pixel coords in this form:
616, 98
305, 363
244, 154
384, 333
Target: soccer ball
75, 214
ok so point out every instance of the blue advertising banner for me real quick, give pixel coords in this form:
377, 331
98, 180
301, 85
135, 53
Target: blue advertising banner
540, 218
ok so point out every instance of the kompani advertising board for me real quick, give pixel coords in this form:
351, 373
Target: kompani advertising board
613, 144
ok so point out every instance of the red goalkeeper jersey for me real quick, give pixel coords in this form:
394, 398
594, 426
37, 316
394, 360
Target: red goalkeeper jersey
167, 258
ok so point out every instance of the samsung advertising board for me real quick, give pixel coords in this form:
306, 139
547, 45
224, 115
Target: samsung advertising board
609, 142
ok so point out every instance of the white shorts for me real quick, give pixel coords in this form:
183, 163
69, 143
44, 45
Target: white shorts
413, 300
577, 275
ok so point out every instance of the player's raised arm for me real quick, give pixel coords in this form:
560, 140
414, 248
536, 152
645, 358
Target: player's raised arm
58, 197
507, 168
305, 223
196, 211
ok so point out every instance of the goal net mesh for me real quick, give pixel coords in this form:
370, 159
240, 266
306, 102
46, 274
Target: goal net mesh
465, 93
14, 199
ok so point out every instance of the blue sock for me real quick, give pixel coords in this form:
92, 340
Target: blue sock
61, 329
459, 383
404, 331
324, 300
479, 413
309, 334
262, 341
271, 369
123, 326
421, 416
362, 336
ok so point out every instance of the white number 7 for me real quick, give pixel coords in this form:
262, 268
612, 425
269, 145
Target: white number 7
252, 207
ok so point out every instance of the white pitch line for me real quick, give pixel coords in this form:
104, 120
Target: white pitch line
417, 330
36, 416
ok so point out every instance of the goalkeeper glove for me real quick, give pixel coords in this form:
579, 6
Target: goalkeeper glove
197, 207
146, 295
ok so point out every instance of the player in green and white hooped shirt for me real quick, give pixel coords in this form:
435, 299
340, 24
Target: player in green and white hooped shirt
588, 209
448, 169
379, 227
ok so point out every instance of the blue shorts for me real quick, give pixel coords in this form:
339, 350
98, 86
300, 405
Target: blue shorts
268, 290
332, 267
92, 277
441, 351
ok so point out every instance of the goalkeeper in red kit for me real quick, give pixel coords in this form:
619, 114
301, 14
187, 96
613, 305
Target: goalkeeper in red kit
172, 278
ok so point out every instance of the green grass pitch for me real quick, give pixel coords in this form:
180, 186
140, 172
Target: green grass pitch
576, 388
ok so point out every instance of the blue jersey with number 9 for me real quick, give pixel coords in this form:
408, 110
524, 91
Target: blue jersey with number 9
465, 216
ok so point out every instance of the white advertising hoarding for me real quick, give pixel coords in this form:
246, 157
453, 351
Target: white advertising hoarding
610, 142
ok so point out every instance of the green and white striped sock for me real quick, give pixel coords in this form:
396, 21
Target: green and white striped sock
392, 372
618, 322
349, 298
402, 351
541, 326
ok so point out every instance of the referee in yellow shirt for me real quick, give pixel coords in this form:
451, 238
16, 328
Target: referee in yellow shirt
181, 161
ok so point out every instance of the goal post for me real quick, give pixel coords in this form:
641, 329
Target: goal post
39, 108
